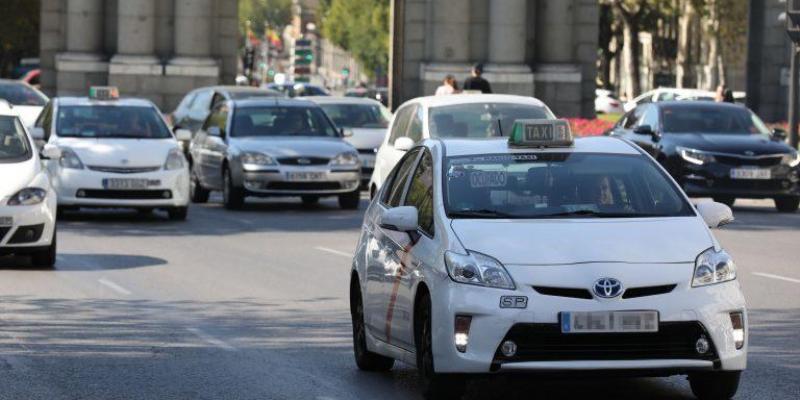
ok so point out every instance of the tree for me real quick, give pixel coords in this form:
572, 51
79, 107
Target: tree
277, 13
19, 32
360, 27
631, 13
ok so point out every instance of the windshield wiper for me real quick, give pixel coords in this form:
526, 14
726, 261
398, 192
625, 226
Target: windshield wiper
482, 213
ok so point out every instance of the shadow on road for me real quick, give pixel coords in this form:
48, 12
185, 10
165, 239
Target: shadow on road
85, 262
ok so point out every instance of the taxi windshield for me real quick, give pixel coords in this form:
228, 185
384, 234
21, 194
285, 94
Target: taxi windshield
14, 145
357, 115
18, 94
481, 120
281, 121
97, 121
559, 185
711, 119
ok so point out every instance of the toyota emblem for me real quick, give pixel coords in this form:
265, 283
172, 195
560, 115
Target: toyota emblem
607, 288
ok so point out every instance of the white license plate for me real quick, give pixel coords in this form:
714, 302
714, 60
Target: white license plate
609, 321
305, 176
6, 221
751, 173
128, 184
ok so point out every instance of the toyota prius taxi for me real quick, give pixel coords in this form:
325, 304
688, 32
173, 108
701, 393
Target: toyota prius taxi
538, 253
114, 153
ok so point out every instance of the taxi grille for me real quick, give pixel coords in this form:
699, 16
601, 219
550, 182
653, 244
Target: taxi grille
303, 160
123, 170
125, 194
3, 232
27, 234
303, 186
768, 161
545, 342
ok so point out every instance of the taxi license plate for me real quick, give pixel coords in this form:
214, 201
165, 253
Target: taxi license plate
305, 176
6, 221
609, 322
751, 173
128, 184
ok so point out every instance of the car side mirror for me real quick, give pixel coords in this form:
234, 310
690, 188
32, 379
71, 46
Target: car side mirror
647, 130
215, 131
37, 133
50, 152
401, 219
403, 143
184, 135
346, 132
715, 214
778, 135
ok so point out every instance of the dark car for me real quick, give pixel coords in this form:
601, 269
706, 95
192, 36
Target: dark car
717, 150
298, 89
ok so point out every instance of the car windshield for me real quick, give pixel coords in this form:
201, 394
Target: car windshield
357, 115
14, 145
481, 120
559, 185
281, 121
710, 118
98, 121
18, 94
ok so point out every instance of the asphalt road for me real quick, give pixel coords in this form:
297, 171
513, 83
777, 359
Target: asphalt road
252, 305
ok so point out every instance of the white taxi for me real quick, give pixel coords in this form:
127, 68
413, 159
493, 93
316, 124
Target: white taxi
456, 116
114, 153
27, 201
538, 253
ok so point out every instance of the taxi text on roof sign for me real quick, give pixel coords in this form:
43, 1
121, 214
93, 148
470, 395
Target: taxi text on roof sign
541, 133
103, 93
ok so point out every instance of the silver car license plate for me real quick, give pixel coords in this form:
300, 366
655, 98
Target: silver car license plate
128, 184
751, 173
305, 176
6, 221
609, 321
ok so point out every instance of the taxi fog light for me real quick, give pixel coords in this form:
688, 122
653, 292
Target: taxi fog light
80, 193
166, 194
508, 348
477, 269
702, 346
737, 321
461, 338
713, 267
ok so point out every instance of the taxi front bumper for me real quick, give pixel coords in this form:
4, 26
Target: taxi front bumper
300, 180
31, 227
85, 188
684, 310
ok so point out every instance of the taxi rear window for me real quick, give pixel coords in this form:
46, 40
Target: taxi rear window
96, 121
559, 185
481, 120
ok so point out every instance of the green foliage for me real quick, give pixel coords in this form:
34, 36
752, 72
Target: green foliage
278, 13
19, 32
361, 27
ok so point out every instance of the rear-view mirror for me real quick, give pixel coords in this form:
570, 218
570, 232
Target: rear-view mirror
51, 152
183, 135
401, 219
778, 135
403, 143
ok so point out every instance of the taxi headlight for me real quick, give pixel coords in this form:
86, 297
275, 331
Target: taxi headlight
255, 158
27, 197
345, 159
693, 156
792, 159
175, 160
477, 269
69, 159
713, 267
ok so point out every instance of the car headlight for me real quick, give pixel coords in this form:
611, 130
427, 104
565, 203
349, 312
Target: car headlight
345, 159
175, 160
477, 269
693, 156
69, 159
256, 159
713, 267
27, 197
792, 159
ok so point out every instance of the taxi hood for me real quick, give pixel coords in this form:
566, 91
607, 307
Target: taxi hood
17, 176
366, 138
549, 242
114, 152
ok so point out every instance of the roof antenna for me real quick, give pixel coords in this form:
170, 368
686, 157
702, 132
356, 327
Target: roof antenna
499, 127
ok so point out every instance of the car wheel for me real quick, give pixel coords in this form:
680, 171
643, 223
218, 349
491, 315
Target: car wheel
178, 213
198, 193
727, 200
47, 257
715, 385
787, 204
310, 200
434, 385
365, 359
232, 197
349, 201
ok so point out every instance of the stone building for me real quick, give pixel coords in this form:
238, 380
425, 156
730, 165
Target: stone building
541, 48
157, 49
768, 59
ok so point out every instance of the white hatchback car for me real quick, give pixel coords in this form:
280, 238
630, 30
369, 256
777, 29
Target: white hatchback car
535, 255
669, 94
456, 116
114, 153
27, 201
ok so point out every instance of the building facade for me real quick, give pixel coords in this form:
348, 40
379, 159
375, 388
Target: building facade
156, 49
541, 48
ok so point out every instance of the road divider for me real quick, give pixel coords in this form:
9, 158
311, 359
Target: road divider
778, 277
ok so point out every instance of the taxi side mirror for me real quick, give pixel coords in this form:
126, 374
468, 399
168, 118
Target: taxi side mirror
37, 133
346, 132
647, 130
50, 152
778, 135
403, 143
401, 219
715, 214
183, 135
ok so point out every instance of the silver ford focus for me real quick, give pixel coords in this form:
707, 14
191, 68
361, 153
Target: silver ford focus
273, 147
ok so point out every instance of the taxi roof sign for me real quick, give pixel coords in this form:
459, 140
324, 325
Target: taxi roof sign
541, 133
103, 93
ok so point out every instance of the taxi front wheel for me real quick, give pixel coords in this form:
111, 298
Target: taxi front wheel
434, 385
46, 258
232, 196
365, 359
720, 385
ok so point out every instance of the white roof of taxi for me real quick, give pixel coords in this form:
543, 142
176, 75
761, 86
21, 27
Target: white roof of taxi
593, 144
85, 101
341, 100
448, 100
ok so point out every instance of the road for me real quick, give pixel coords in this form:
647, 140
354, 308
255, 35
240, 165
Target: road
252, 305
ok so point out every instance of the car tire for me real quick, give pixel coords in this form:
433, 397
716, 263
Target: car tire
198, 193
365, 359
788, 204
232, 197
721, 385
350, 201
46, 258
178, 213
727, 200
433, 385
310, 200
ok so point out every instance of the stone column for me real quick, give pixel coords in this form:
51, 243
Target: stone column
136, 39
193, 25
554, 32
83, 63
450, 39
507, 31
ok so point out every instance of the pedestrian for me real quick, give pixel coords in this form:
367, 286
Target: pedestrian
728, 96
449, 86
476, 81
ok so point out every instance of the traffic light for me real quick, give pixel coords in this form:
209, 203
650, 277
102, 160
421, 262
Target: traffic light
303, 60
303, 56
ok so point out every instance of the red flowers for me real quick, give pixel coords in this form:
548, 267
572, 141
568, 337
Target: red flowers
589, 127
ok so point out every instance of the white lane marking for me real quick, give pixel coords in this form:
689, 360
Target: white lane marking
332, 251
211, 340
778, 277
113, 286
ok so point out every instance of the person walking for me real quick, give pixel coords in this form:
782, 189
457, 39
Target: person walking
449, 86
476, 81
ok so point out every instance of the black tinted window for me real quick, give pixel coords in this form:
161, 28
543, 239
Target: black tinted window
19, 94
282, 121
357, 115
394, 192
420, 192
702, 118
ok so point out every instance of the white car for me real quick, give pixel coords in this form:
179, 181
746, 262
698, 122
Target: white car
27, 201
26, 101
544, 254
364, 121
115, 153
669, 94
460, 116
606, 102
